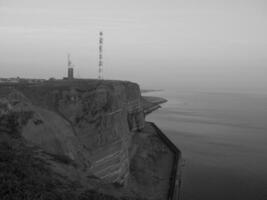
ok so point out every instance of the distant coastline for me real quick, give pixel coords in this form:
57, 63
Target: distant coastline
150, 90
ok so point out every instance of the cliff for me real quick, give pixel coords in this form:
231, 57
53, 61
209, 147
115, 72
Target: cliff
93, 133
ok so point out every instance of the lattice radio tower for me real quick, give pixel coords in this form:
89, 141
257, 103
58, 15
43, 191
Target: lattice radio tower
100, 63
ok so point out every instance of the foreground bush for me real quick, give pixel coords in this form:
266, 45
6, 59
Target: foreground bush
25, 176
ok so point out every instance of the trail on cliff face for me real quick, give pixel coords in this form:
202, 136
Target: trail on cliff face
85, 135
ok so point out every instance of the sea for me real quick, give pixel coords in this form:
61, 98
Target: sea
223, 140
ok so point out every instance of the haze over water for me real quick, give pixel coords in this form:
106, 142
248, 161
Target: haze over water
222, 137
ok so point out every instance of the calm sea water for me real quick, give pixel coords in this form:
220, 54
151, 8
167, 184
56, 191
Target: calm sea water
223, 139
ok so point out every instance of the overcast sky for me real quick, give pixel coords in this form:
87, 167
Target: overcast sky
157, 43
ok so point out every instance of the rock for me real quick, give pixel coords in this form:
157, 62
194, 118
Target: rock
91, 131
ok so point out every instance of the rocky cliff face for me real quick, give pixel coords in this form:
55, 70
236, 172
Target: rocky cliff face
90, 124
88, 129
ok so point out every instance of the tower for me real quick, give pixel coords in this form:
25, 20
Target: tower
100, 63
70, 68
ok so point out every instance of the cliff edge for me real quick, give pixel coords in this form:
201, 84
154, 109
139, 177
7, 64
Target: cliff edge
92, 133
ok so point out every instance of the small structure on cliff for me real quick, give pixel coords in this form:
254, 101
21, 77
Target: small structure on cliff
70, 70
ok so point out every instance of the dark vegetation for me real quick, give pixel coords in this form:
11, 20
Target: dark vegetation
25, 175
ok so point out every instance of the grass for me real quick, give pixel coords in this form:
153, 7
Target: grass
24, 175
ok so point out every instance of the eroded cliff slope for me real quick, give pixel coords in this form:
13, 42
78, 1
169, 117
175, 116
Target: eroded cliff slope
91, 132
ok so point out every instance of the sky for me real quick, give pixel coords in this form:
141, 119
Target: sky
218, 44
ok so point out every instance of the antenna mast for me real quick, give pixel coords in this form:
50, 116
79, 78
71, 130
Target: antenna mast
69, 61
100, 63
